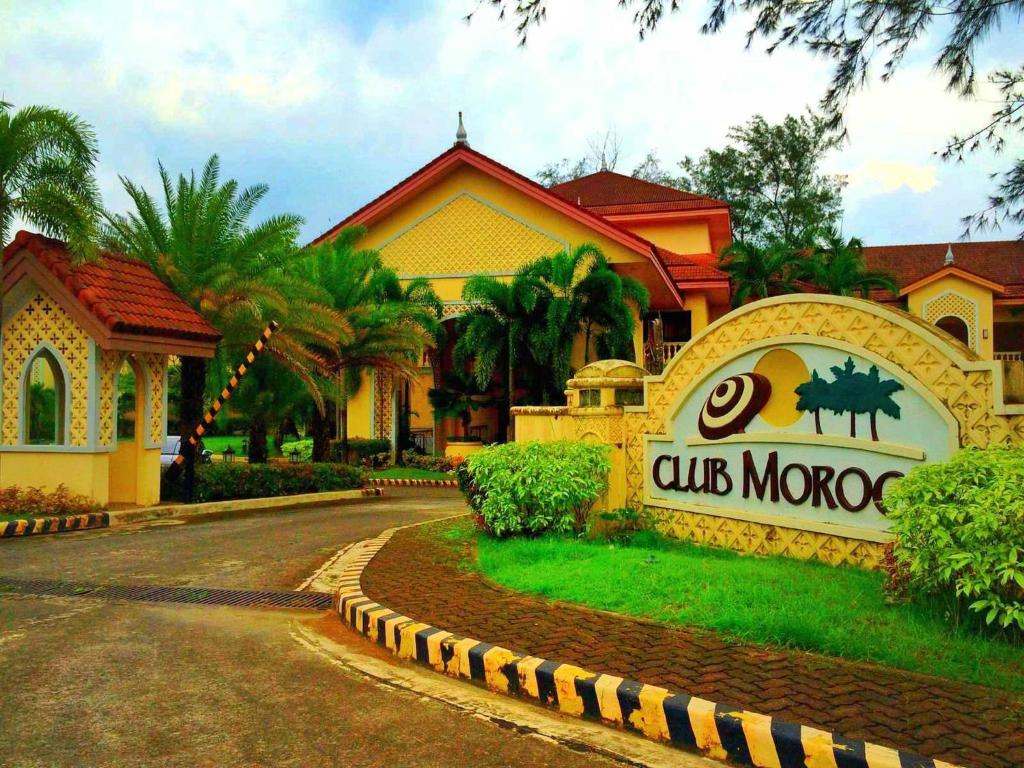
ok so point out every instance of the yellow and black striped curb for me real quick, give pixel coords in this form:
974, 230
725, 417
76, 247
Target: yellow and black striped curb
57, 524
414, 482
372, 491
719, 732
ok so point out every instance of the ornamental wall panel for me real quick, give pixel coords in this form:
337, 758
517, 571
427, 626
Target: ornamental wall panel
467, 236
40, 321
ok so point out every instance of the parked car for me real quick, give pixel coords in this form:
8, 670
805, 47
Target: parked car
172, 447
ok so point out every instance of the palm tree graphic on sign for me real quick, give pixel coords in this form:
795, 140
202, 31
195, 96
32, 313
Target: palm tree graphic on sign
851, 391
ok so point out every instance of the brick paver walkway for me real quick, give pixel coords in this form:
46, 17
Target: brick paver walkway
418, 575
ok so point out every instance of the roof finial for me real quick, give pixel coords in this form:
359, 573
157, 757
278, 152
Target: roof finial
949, 255
461, 137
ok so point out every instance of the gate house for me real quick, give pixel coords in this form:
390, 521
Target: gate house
83, 379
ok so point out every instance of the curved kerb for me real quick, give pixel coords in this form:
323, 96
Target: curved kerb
689, 722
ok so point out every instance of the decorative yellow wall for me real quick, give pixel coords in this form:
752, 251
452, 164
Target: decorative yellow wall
82, 473
43, 320
954, 296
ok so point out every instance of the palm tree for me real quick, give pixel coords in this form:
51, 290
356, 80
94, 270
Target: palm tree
758, 272
581, 294
47, 157
494, 332
878, 396
236, 275
813, 396
837, 266
390, 322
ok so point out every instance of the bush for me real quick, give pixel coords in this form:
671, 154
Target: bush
35, 502
433, 463
216, 482
535, 487
959, 529
362, 449
305, 449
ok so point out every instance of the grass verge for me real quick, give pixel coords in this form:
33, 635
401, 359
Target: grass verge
411, 473
218, 443
771, 600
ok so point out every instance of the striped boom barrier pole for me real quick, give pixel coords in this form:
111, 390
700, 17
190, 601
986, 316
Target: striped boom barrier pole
193, 440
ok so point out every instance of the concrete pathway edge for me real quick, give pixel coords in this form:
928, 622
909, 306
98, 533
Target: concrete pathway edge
60, 524
689, 722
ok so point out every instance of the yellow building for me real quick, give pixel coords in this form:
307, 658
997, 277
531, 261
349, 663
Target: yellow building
973, 291
464, 214
83, 381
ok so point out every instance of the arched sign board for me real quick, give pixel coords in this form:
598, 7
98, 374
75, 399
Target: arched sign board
803, 432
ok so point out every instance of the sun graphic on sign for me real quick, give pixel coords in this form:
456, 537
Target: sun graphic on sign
785, 370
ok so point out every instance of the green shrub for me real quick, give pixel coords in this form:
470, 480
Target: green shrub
35, 502
432, 463
305, 448
959, 529
535, 487
361, 449
216, 482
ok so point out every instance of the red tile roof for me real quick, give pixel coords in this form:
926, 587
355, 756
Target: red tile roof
609, 193
1000, 261
688, 269
123, 294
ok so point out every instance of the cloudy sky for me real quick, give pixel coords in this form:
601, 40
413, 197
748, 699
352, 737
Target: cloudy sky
331, 103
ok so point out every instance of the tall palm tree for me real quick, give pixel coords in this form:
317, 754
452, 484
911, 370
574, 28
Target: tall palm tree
390, 322
494, 332
837, 266
47, 158
583, 294
236, 275
758, 272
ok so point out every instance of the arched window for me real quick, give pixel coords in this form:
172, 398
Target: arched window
126, 402
956, 328
44, 400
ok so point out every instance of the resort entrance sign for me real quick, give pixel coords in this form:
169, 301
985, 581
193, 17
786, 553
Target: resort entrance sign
804, 432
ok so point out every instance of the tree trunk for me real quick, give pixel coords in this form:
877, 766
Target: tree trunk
320, 430
817, 420
343, 412
193, 390
258, 440
853, 424
874, 427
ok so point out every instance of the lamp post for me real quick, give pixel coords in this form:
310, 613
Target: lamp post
228, 455
293, 456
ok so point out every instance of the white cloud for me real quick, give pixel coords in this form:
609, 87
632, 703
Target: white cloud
356, 104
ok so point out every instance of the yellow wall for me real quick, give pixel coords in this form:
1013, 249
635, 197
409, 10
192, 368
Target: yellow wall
422, 413
937, 307
680, 237
82, 473
360, 409
124, 465
697, 304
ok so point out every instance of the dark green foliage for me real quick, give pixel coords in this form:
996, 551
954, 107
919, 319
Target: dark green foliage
959, 529
216, 482
360, 449
42, 415
529, 488
769, 174
47, 159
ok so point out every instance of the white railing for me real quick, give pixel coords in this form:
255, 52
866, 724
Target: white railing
1009, 356
672, 348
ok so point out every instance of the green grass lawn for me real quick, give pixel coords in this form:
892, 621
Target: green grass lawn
771, 600
411, 473
217, 443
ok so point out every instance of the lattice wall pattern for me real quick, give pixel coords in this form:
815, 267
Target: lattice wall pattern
110, 364
156, 367
955, 305
383, 396
466, 237
42, 319
763, 539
